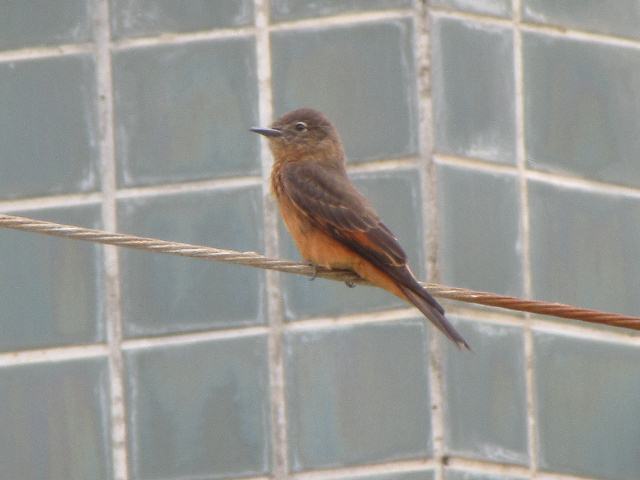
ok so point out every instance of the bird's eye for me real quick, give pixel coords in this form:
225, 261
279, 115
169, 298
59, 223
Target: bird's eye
301, 126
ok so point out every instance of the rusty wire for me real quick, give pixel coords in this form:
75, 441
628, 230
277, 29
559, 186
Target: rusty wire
253, 259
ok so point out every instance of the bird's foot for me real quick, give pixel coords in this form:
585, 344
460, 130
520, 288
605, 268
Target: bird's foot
314, 275
350, 283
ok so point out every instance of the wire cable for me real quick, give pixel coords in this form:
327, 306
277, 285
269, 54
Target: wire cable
253, 259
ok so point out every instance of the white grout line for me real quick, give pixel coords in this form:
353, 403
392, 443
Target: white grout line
577, 183
347, 19
559, 179
521, 155
207, 477
244, 32
525, 247
481, 313
319, 323
194, 337
539, 323
39, 203
275, 309
427, 127
560, 476
438, 12
186, 187
421, 466
416, 466
543, 29
487, 467
35, 53
532, 437
577, 330
391, 468
391, 165
166, 39
179, 38
579, 35
476, 164
64, 200
620, 337
437, 392
55, 354
112, 285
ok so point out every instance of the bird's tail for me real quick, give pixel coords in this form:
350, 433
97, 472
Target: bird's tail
424, 302
401, 282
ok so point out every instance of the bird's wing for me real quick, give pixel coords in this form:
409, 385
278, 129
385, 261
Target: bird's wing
331, 202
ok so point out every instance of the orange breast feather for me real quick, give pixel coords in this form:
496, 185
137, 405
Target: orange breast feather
321, 249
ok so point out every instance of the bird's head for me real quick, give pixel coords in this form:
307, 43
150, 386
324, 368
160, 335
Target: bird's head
303, 134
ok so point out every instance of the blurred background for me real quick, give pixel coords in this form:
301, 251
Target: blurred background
499, 139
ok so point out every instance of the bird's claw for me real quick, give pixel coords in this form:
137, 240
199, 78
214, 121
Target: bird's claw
314, 275
350, 283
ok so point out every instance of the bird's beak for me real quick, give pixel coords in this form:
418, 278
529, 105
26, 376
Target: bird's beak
267, 132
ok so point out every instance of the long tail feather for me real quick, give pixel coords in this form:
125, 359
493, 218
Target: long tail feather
429, 307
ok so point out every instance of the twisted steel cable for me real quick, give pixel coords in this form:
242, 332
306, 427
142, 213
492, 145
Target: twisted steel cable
253, 259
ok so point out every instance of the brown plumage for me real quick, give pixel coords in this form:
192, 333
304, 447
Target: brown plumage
331, 222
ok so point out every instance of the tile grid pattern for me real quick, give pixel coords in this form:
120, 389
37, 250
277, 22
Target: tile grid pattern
107, 199
525, 174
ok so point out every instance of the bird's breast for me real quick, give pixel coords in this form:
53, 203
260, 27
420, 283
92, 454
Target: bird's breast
315, 244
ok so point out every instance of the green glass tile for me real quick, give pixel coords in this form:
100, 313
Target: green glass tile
583, 246
30, 23
357, 395
183, 112
582, 108
617, 17
396, 197
293, 10
51, 290
373, 103
54, 421
500, 8
48, 127
473, 90
479, 230
587, 401
485, 395
136, 18
162, 293
199, 410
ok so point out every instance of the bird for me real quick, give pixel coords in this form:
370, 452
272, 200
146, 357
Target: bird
332, 224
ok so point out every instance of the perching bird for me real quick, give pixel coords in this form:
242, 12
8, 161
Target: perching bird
332, 223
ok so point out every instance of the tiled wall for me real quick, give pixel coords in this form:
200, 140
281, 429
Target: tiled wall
500, 139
